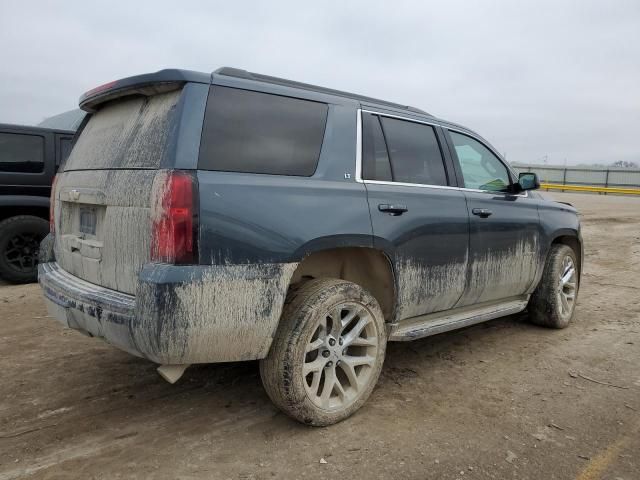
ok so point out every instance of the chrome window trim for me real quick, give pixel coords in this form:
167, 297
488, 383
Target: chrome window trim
399, 117
404, 184
359, 178
359, 146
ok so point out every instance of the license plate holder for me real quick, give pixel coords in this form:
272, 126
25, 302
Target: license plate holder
88, 220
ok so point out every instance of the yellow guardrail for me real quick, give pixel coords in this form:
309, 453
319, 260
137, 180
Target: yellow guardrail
590, 188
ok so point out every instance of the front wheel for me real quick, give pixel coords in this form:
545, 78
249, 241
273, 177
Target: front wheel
553, 302
327, 353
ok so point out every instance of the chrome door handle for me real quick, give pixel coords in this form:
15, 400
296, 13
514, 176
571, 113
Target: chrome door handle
393, 210
482, 212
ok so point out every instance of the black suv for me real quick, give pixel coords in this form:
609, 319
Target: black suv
236, 216
29, 158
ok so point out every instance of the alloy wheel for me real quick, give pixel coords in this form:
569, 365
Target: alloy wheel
340, 356
567, 286
22, 251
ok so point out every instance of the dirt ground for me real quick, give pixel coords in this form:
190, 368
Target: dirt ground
504, 399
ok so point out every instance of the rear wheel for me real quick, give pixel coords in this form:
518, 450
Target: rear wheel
553, 302
20, 239
328, 352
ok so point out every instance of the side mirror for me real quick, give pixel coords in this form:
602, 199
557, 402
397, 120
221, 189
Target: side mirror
528, 181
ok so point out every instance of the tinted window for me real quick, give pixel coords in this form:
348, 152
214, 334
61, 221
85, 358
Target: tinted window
414, 152
65, 149
375, 159
481, 169
261, 133
21, 153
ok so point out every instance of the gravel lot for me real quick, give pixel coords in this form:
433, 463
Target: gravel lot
503, 399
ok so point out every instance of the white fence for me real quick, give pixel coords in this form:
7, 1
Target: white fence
597, 176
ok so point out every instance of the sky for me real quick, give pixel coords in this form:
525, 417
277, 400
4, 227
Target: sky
543, 81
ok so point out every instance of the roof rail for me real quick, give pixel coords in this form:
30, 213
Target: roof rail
239, 73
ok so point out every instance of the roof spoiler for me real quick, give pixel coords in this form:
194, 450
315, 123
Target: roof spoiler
147, 85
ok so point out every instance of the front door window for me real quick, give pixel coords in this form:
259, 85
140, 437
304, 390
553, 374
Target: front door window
481, 169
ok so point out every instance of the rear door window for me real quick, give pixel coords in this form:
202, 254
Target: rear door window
414, 152
255, 132
375, 158
21, 153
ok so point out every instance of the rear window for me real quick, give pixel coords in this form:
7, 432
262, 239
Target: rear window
65, 149
375, 157
256, 132
127, 133
414, 152
21, 153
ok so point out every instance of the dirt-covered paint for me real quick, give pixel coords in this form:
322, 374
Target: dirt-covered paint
129, 133
111, 173
495, 274
427, 288
179, 315
502, 273
218, 313
114, 256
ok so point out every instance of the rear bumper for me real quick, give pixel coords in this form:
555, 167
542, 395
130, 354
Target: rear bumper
91, 309
180, 314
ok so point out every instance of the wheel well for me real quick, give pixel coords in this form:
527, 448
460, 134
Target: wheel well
6, 212
369, 268
574, 244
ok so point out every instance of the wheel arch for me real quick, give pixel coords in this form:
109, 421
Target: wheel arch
364, 265
572, 240
8, 212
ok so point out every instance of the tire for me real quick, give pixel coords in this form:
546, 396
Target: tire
553, 303
20, 239
354, 352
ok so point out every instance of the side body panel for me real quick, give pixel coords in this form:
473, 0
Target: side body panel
504, 248
253, 218
254, 231
427, 245
556, 220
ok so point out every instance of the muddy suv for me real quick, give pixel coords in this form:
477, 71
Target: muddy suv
235, 216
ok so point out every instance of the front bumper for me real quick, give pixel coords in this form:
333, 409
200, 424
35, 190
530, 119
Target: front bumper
180, 314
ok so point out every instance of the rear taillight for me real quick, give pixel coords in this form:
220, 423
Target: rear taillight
175, 218
52, 206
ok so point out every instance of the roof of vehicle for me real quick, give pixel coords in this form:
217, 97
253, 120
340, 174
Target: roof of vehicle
167, 77
151, 83
258, 77
33, 129
69, 120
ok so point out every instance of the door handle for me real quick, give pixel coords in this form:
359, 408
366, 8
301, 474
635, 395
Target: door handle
482, 212
393, 210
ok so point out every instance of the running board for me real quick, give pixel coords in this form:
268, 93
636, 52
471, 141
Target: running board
434, 323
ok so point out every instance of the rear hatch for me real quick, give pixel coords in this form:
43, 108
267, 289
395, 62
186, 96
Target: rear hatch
103, 195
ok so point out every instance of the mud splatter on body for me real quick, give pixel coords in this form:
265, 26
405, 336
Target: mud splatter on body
502, 273
427, 288
220, 313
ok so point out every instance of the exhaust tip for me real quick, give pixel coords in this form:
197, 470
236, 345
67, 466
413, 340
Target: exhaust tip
172, 373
